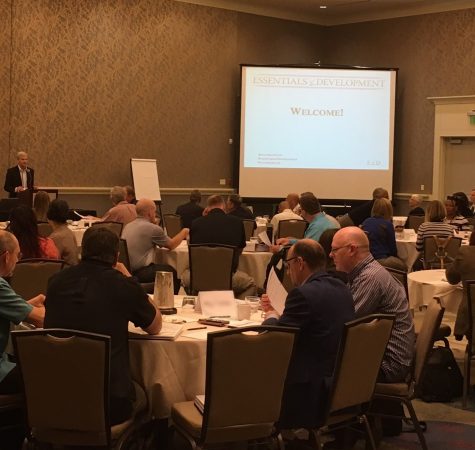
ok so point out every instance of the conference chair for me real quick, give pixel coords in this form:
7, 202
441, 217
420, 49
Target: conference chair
469, 287
172, 224
30, 276
415, 222
211, 267
291, 228
44, 229
241, 402
358, 362
439, 251
249, 226
115, 227
124, 254
66, 377
403, 393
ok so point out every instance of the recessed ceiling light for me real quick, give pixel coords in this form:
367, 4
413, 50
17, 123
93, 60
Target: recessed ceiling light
323, 7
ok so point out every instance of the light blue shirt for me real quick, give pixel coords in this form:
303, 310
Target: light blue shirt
12, 309
316, 227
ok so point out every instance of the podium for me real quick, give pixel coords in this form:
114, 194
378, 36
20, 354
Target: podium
25, 197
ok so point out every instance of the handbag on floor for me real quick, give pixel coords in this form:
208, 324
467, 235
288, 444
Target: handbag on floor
442, 379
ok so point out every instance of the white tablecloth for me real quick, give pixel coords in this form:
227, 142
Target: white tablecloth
406, 248
424, 285
172, 371
253, 263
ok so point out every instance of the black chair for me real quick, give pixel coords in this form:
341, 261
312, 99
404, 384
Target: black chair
469, 286
124, 254
66, 378
249, 226
415, 222
115, 227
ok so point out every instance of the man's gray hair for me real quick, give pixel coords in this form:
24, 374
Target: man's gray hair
117, 194
21, 154
417, 198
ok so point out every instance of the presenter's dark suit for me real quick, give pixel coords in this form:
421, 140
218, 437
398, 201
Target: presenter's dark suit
219, 228
13, 180
319, 308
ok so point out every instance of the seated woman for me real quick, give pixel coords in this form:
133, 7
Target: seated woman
434, 224
62, 236
380, 231
462, 269
40, 205
453, 215
23, 225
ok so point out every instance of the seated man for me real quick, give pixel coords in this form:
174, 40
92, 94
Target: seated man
122, 211
359, 213
142, 235
318, 221
319, 306
234, 208
217, 227
191, 210
375, 290
95, 297
285, 213
13, 309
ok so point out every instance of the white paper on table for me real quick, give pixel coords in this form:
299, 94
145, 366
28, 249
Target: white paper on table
216, 303
82, 217
276, 292
264, 238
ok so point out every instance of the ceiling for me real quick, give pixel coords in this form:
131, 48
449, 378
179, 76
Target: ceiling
337, 12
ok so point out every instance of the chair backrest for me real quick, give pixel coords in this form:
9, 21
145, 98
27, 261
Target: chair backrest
115, 227
44, 229
361, 351
439, 251
211, 267
469, 286
425, 339
173, 224
291, 228
249, 408
66, 378
399, 275
415, 222
249, 226
124, 254
30, 276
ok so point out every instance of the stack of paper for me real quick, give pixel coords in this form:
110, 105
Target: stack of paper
169, 332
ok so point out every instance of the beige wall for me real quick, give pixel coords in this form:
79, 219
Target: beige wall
94, 83
435, 56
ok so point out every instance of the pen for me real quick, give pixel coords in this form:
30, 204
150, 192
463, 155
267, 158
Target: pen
197, 328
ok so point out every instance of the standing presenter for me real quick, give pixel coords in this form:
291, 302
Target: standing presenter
19, 178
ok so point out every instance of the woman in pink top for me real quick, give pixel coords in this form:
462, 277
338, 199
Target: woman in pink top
23, 225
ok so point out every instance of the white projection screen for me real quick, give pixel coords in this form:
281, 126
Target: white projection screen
324, 130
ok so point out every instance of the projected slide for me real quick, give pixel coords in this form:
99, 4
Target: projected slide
300, 118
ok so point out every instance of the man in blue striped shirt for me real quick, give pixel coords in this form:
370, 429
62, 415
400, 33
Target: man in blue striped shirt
375, 290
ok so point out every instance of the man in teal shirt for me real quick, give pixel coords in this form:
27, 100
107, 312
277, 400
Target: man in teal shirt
13, 309
318, 221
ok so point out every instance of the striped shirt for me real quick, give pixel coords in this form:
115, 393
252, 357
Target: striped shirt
374, 291
459, 222
428, 229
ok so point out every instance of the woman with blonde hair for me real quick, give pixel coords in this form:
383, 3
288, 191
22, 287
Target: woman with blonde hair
382, 238
434, 224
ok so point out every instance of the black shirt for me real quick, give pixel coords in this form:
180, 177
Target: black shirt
94, 297
189, 212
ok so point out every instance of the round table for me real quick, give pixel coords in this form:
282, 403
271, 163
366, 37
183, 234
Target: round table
424, 285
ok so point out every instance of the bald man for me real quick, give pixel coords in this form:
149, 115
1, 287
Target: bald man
142, 235
319, 306
375, 290
19, 178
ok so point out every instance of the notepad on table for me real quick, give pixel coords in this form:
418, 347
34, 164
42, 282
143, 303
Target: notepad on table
169, 332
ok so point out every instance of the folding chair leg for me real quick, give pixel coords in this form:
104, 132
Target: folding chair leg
466, 378
369, 433
416, 424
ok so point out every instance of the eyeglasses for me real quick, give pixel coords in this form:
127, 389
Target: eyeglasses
335, 249
287, 261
